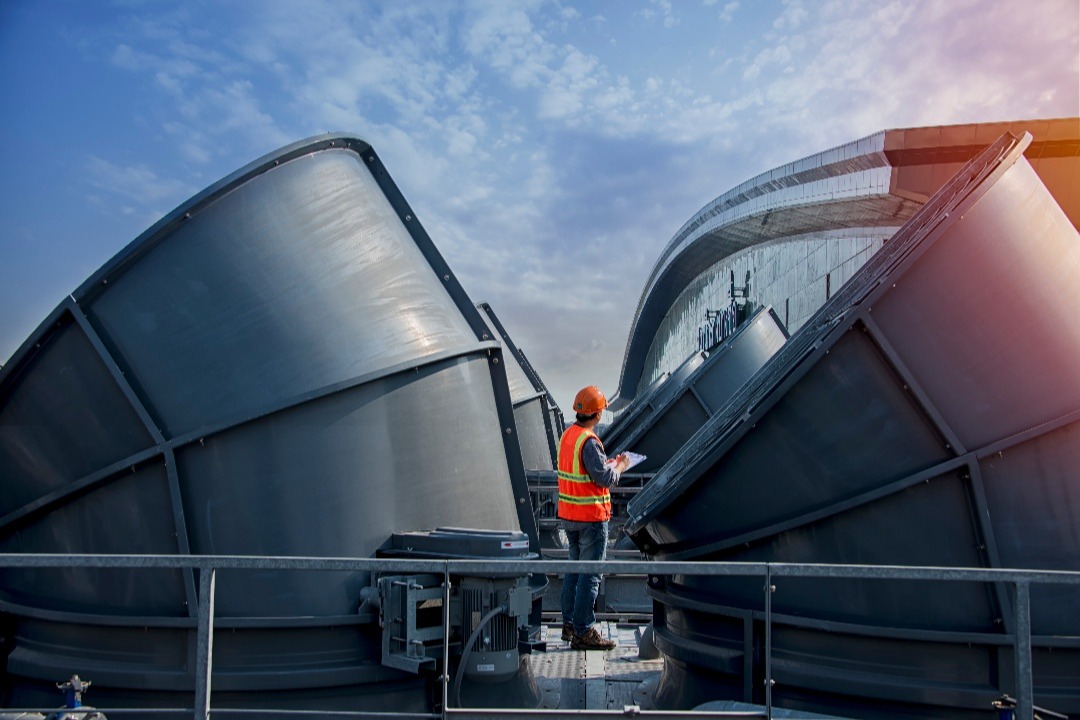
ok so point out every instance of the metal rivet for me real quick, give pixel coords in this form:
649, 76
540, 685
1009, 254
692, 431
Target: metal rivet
408, 218
445, 277
508, 431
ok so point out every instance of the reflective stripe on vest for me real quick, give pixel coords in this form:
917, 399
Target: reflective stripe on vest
580, 499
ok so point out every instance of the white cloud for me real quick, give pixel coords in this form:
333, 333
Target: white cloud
152, 195
540, 156
502, 36
663, 10
792, 17
570, 87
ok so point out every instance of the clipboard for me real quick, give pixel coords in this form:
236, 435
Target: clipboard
633, 457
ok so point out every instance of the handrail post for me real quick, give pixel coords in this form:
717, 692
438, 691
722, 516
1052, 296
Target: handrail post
444, 678
768, 640
204, 659
1025, 701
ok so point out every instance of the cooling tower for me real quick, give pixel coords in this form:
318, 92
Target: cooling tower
927, 415
284, 365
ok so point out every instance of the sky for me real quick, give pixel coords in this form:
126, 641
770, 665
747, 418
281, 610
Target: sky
550, 148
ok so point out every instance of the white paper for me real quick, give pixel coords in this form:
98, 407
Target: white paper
634, 459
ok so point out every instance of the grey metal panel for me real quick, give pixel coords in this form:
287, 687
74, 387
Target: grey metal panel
1016, 271
533, 435
61, 417
130, 515
337, 476
1032, 498
914, 420
945, 535
230, 313
677, 381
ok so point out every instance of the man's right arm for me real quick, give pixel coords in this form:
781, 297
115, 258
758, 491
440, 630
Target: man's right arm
595, 462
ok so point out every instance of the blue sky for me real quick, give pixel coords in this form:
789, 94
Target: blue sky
550, 148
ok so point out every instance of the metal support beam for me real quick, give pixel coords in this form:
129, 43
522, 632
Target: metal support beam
1025, 703
769, 588
444, 677
205, 655
911, 384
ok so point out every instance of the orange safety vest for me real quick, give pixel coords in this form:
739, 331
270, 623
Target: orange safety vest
580, 499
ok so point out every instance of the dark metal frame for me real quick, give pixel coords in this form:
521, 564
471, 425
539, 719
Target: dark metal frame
553, 424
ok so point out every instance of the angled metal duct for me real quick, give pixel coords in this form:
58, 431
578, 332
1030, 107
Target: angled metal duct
929, 414
655, 395
663, 421
284, 365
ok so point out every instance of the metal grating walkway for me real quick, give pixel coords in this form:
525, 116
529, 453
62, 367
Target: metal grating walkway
594, 680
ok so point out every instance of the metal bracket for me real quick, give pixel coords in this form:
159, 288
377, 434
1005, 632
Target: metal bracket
411, 621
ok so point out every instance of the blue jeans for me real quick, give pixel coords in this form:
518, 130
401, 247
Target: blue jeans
579, 591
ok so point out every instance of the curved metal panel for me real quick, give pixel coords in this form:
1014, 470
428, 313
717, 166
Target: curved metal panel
130, 514
927, 415
61, 417
230, 313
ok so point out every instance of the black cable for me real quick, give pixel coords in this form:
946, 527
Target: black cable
465, 651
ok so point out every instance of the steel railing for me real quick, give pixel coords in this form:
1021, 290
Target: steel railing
209, 565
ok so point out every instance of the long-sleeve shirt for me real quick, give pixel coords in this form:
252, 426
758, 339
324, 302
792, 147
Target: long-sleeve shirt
594, 460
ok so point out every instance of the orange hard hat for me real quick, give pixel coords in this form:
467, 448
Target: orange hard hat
589, 401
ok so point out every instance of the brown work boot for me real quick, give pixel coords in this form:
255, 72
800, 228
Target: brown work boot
591, 639
568, 633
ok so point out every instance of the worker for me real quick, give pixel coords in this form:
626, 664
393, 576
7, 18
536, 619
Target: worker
585, 475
